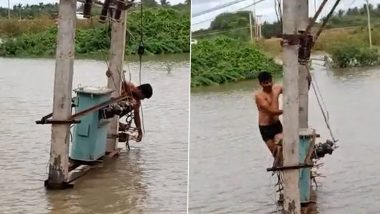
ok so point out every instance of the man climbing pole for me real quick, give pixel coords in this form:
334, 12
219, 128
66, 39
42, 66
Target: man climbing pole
267, 101
138, 93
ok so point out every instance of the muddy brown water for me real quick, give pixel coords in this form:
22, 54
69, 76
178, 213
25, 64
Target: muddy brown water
228, 158
151, 178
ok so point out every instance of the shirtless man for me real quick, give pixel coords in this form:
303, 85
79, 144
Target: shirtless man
268, 107
138, 93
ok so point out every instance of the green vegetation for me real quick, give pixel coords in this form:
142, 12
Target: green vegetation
223, 59
30, 11
355, 17
350, 47
234, 25
352, 17
353, 56
166, 31
223, 53
345, 37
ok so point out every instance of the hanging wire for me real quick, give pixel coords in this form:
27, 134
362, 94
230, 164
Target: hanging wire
107, 53
324, 112
320, 95
141, 51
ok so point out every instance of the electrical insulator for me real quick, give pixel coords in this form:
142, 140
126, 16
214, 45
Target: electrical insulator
87, 9
119, 8
106, 6
306, 43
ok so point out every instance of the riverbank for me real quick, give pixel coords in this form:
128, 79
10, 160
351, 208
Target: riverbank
165, 31
180, 57
348, 47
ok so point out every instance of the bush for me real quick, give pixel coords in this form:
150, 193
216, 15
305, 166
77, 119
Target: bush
351, 55
166, 30
224, 59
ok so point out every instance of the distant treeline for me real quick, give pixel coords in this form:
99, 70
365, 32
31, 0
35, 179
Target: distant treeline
236, 24
165, 30
31, 11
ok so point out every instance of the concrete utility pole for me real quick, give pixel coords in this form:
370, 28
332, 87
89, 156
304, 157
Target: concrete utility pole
258, 21
9, 9
255, 18
369, 25
118, 36
303, 15
250, 27
60, 135
290, 143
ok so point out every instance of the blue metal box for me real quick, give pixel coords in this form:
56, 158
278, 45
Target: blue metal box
90, 135
305, 137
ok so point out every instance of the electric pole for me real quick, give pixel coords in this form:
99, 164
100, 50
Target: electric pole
63, 79
292, 203
250, 26
9, 9
369, 25
118, 36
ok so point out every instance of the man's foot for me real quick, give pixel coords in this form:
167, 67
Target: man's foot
278, 157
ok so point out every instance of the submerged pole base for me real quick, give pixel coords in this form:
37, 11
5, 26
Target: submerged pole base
57, 186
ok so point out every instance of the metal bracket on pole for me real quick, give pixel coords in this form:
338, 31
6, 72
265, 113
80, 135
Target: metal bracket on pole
290, 39
46, 120
282, 168
306, 43
40, 122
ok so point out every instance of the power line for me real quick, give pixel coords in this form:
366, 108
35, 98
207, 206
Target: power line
236, 10
206, 20
217, 8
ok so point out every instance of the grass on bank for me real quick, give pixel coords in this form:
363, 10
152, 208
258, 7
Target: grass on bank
348, 47
223, 59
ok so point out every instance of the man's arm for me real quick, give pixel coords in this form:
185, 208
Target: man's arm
279, 89
264, 105
127, 87
137, 120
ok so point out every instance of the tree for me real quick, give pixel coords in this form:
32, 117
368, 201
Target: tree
340, 13
227, 21
149, 3
164, 3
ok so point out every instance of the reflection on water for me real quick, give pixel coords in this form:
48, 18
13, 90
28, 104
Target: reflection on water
151, 178
122, 188
228, 158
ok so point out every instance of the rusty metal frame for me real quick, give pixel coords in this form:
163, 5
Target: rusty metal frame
72, 119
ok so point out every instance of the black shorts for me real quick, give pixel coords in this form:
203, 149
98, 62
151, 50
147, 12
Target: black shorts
269, 131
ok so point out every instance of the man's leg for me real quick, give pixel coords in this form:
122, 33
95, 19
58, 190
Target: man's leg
278, 150
271, 146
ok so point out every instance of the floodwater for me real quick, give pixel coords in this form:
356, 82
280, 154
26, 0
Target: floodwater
228, 159
151, 178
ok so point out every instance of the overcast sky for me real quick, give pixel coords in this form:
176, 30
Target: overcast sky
265, 8
4, 3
